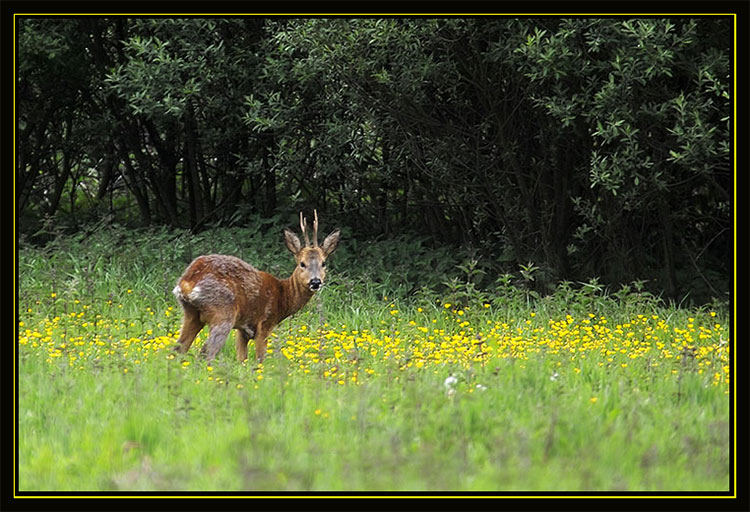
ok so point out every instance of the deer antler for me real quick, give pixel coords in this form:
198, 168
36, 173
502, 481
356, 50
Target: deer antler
303, 225
315, 229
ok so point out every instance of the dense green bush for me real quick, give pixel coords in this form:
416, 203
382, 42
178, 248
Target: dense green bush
581, 147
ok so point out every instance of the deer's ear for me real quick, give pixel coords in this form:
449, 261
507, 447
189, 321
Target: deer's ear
292, 242
331, 242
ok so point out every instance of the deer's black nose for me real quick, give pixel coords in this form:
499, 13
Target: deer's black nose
315, 283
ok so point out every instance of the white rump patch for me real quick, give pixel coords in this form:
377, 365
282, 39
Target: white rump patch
194, 293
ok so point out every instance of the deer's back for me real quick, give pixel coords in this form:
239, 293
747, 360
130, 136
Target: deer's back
218, 282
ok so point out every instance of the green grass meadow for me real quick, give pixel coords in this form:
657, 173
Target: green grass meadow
380, 384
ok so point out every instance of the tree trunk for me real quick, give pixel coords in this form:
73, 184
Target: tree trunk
665, 221
191, 170
130, 176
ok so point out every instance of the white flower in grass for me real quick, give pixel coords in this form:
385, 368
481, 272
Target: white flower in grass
480, 387
450, 382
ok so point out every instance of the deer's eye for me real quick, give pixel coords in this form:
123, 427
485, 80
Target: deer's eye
323, 264
302, 264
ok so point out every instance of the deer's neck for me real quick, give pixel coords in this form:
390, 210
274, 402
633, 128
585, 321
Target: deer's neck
294, 296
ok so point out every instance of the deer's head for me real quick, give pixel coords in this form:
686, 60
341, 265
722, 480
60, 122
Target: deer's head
311, 259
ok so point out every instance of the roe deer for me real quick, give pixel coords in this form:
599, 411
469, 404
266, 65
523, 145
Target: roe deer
226, 293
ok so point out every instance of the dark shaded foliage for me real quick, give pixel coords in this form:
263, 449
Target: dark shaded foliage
578, 147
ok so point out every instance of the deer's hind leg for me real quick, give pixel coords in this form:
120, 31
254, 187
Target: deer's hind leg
191, 326
216, 339
215, 301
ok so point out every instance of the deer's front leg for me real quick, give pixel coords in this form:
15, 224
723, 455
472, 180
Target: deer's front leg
261, 342
243, 337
